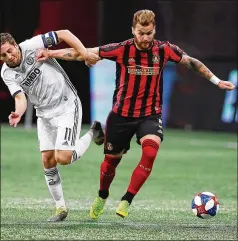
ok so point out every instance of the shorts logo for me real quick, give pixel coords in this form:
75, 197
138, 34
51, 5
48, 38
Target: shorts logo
29, 60
155, 58
109, 146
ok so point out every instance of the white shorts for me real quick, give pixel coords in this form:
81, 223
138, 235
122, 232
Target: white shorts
60, 132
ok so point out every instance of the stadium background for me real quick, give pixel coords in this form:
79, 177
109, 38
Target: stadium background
206, 30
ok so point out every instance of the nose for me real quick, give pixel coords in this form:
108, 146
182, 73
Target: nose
10, 57
145, 38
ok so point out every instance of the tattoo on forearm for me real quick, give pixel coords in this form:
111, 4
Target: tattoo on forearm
199, 67
68, 55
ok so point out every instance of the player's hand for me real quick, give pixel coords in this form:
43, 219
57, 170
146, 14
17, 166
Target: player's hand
14, 118
226, 85
91, 59
42, 55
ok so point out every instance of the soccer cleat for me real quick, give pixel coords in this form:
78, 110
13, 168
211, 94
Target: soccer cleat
97, 207
122, 209
98, 134
60, 215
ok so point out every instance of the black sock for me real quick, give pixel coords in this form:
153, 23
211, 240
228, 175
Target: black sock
103, 194
128, 197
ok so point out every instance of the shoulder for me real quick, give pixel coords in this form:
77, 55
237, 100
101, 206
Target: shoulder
7, 73
128, 42
3, 70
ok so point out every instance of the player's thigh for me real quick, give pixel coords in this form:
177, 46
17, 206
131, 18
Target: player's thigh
118, 134
69, 128
47, 134
150, 126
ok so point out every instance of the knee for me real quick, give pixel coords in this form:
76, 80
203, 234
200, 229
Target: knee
48, 159
150, 149
113, 160
63, 157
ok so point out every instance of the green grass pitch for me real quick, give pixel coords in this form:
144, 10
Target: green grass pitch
187, 163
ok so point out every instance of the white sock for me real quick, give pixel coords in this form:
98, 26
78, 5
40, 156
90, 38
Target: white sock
82, 145
53, 181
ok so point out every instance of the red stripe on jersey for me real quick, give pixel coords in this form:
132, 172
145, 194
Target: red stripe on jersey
159, 97
131, 82
154, 80
122, 82
141, 91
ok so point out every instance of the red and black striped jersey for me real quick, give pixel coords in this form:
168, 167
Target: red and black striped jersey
139, 75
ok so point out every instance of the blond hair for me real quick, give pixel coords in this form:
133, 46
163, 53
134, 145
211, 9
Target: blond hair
144, 17
7, 38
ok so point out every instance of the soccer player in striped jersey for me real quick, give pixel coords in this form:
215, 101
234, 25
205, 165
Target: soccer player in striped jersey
137, 102
55, 99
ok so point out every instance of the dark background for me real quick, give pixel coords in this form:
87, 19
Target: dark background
206, 30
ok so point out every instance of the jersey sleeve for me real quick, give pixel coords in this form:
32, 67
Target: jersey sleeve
13, 86
111, 51
175, 53
46, 40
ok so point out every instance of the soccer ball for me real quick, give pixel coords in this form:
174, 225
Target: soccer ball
205, 205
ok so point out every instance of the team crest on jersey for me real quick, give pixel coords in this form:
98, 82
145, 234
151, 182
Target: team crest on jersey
155, 58
29, 60
109, 146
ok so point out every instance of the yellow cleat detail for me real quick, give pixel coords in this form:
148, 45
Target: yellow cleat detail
60, 215
97, 207
122, 209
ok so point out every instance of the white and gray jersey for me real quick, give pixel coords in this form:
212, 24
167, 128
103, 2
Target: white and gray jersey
46, 84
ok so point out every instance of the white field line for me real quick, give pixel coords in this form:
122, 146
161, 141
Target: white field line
47, 203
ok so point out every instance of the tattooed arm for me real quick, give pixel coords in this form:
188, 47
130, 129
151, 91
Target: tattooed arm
202, 69
68, 54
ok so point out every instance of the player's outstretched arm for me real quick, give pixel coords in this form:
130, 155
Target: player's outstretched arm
20, 108
74, 42
202, 69
68, 54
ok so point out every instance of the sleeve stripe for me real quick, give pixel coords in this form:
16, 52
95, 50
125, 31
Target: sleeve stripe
43, 39
51, 35
50, 39
56, 37
17, 92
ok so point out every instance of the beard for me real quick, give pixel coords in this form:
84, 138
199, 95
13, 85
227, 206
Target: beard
143, 45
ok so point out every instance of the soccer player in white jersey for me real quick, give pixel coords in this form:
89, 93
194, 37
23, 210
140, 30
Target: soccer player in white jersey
55, 99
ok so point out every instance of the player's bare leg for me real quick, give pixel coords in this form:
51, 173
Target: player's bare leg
65, 157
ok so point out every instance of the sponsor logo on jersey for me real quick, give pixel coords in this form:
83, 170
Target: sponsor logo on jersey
31, 77
141, 70
29, 60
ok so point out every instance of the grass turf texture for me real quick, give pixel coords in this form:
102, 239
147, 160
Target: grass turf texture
188, 162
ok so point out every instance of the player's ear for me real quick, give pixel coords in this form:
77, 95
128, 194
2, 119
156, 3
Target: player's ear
132, 30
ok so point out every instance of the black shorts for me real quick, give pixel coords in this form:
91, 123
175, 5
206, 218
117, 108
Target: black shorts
120, 130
